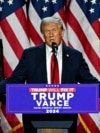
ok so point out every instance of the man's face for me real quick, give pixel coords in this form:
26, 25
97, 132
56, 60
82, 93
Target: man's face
52, 32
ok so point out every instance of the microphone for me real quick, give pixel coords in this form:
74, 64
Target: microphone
54, 47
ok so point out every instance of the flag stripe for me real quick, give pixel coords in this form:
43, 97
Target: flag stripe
9, 53
4, 124
80, 128
96, 27
19, 13
10, 118
7, 67
63, 15
96, 118
90, 123
34, 35
21, 36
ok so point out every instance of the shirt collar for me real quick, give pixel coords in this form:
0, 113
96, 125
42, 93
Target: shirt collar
49, 49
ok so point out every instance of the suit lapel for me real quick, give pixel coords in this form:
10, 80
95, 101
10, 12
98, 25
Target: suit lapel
65, 64
43, 69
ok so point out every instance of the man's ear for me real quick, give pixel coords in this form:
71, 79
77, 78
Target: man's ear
62, 33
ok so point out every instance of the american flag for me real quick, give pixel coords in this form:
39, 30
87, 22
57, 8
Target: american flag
13, 32
83, 22
83, 30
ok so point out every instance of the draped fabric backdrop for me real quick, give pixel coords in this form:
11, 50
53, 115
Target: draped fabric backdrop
19, 29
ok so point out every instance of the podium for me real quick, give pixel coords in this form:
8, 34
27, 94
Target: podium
52, 124
52, 106
64, 122
65, 125
60, 122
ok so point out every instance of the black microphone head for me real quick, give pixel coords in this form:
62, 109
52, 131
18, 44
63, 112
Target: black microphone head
54, 47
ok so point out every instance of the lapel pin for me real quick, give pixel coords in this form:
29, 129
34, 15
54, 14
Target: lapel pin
67, 55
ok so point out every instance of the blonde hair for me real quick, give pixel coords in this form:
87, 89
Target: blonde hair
50, 20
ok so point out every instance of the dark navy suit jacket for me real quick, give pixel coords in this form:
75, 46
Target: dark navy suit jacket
32, 68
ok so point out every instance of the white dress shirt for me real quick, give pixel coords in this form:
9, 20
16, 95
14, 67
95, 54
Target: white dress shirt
48, 61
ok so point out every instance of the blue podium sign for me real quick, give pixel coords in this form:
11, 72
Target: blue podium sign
52, 98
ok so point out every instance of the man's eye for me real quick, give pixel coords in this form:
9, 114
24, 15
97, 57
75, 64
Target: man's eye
46, 31
54, 30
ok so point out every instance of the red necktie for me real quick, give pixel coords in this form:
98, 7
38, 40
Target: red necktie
54, 69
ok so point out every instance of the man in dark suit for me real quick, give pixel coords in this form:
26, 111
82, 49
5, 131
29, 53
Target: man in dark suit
34, 68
